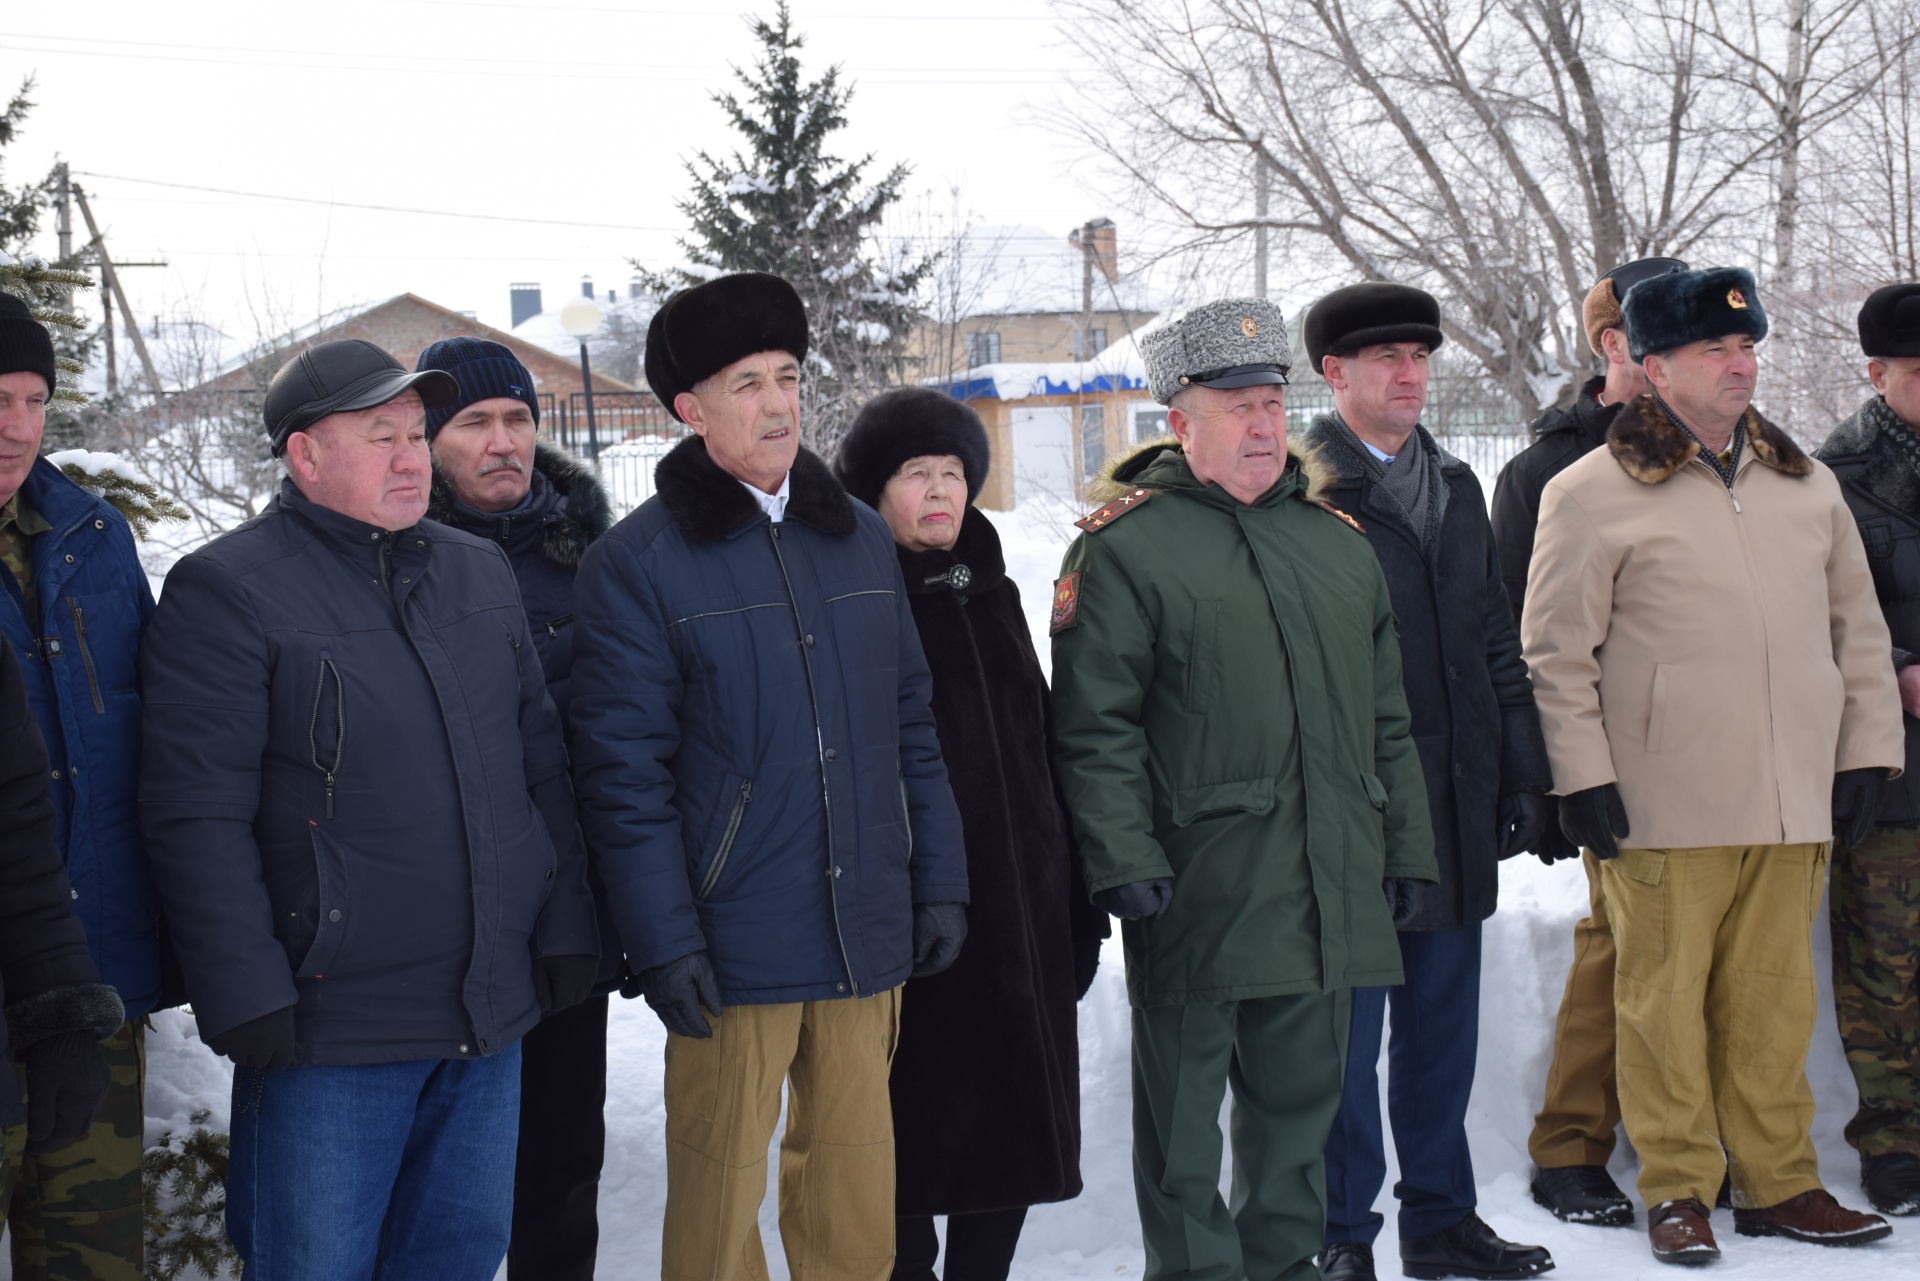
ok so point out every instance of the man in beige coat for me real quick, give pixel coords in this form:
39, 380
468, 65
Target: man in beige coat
1713, 676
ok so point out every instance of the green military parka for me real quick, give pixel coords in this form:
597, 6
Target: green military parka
1229, 713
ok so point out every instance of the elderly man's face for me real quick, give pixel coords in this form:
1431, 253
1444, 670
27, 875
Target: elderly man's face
23, 417
925, 501
749, 414
486, 453
1896, 378
371, 464
1708, 383
1236, 438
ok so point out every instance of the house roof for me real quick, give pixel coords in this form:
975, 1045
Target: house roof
1020, 269
1117, 367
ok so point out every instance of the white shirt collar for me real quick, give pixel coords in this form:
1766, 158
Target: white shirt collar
774, 505
1380, 454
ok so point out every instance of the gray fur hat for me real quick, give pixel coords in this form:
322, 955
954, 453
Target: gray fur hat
1234, 342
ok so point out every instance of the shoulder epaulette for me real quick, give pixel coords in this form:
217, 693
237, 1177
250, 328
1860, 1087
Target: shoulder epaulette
1114, 510
1331, 510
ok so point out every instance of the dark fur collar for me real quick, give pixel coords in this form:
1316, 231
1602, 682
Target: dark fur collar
978, 548
1651, 450
579, 513
707, 504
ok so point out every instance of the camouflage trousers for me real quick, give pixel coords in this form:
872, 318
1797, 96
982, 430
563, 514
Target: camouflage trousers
13, 1145
1874, 901
75, 1213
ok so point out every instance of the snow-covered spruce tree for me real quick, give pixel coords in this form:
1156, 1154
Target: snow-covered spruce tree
183, 1180
784, 203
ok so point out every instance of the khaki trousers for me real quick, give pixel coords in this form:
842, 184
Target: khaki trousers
1582, 1106
836, 1157
1715, 1004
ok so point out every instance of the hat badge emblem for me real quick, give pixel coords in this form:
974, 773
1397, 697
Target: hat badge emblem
1249, 326
1736, 300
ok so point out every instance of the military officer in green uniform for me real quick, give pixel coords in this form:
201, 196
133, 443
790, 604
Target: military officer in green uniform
1233, 745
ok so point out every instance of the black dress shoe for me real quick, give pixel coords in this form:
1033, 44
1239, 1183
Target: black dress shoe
1470, 1249
1892, 1182
1582, 1194
1346, 1261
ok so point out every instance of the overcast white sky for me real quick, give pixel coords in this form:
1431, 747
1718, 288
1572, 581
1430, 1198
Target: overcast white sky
571, 112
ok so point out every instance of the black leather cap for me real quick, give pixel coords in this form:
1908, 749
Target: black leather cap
340, 377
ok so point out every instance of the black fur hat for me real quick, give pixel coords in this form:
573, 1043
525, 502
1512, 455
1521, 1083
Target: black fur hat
1669, 311
700, 331
1890, 322
1369, 314
909, 422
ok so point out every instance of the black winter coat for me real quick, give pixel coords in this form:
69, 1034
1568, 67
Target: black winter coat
1474, 721
354, 789
1562, 436
1878, 485
758, 770
986, 1080
48, 984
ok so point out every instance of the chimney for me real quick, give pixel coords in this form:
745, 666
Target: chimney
586, 286
524, 302
612, 297
633, 287
1106, 249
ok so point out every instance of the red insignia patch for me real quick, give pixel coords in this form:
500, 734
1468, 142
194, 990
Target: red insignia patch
1736, 300
1066, 602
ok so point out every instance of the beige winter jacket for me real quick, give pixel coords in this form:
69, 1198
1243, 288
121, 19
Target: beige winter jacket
1720, 656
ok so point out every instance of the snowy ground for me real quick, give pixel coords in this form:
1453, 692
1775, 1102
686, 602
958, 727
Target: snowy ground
1528, 945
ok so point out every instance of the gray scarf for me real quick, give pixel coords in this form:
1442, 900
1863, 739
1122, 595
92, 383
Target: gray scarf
1411, 482
1896, 449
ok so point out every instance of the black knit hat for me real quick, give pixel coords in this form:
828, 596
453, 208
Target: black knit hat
700, 331
1668, 311
485, 371
1367, 315
340, 377
25, 345
1890, 322
910, 422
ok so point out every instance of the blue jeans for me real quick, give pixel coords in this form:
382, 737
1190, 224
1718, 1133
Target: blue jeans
402, 1167
1430, 1062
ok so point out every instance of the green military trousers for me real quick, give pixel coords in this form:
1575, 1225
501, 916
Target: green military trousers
1284, 1056
1874, 901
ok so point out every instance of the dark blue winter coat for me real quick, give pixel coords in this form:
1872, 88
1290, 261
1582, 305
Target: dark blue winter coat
355, 788
80, 658
757, 765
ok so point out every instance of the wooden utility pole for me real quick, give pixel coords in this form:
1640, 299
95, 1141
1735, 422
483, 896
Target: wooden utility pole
63, 225
1086, 293
111, 278
1260, 221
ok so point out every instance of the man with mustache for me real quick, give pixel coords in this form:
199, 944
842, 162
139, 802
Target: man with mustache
355, 798
494, 479
1714, 678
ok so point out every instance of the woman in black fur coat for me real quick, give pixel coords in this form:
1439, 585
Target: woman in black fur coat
986, 1080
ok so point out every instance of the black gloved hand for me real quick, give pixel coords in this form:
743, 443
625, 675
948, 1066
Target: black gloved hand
1595, 818
265, 1044
1525, 820
679, 989
1136, 900
1401, 899
561, 982
938, 931
66, 1079
1086, 964
1856, 802
1553, 842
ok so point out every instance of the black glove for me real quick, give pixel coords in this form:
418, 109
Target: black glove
561, 982
1401, 900
66, 1079
1856, 802
1554, 844
938, 931
1595, 818
265, 1044
1136, 900
1086, 964
1525, 820
678, 990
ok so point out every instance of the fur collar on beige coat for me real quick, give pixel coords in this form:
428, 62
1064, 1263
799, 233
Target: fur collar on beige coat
1719, 660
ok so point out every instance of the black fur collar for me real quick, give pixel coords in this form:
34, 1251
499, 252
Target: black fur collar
1651, 450
978, 548
578, 513
708, 504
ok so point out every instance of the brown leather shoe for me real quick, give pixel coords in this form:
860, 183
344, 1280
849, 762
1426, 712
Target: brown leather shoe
1680, 1233
1812, 1216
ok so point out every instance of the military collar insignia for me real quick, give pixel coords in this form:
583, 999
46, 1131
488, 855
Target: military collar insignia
1331, 510
1114, 510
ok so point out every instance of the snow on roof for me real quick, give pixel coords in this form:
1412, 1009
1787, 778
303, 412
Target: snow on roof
1014, 269
1117, 367
542, 329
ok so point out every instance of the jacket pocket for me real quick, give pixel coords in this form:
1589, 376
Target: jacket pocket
742, 797
1243, 796
327, 725
1202, 661
553, 625
86, 654
1376, 791
331, 910
1657, 707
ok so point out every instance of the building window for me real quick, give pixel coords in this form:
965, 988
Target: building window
983, 348
1093, 439
1096, 342
1149, 423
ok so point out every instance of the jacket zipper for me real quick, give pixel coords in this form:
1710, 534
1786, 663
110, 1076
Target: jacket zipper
515, 642
1721, 481
554, 625
340, 725
712, 877
820, 753
86, 654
